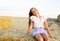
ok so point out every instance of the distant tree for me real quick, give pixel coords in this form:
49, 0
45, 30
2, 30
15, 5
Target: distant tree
58, 17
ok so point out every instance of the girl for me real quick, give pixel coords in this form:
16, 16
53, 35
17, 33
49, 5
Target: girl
39, 25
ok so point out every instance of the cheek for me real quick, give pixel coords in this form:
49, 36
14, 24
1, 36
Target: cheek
34, 13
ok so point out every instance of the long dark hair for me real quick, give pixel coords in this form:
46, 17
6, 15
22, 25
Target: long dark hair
30, 14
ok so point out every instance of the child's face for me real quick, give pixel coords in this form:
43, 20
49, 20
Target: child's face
34, 11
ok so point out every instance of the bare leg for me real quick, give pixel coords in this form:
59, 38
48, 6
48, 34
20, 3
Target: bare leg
39, 37
45, 37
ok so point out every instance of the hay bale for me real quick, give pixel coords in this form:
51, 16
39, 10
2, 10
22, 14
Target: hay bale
5, 23
58, 17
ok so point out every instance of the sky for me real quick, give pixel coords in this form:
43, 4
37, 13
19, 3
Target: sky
20, 8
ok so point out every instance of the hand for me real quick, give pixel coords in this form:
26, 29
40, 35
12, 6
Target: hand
51, 36
26, 35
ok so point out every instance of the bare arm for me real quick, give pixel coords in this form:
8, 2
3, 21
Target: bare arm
30, 27
47, 28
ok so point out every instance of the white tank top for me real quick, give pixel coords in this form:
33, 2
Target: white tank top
38, 22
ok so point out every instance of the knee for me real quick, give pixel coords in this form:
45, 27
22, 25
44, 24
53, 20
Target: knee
47, 40
40, 38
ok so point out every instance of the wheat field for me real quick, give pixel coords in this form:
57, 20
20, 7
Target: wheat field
15, 28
